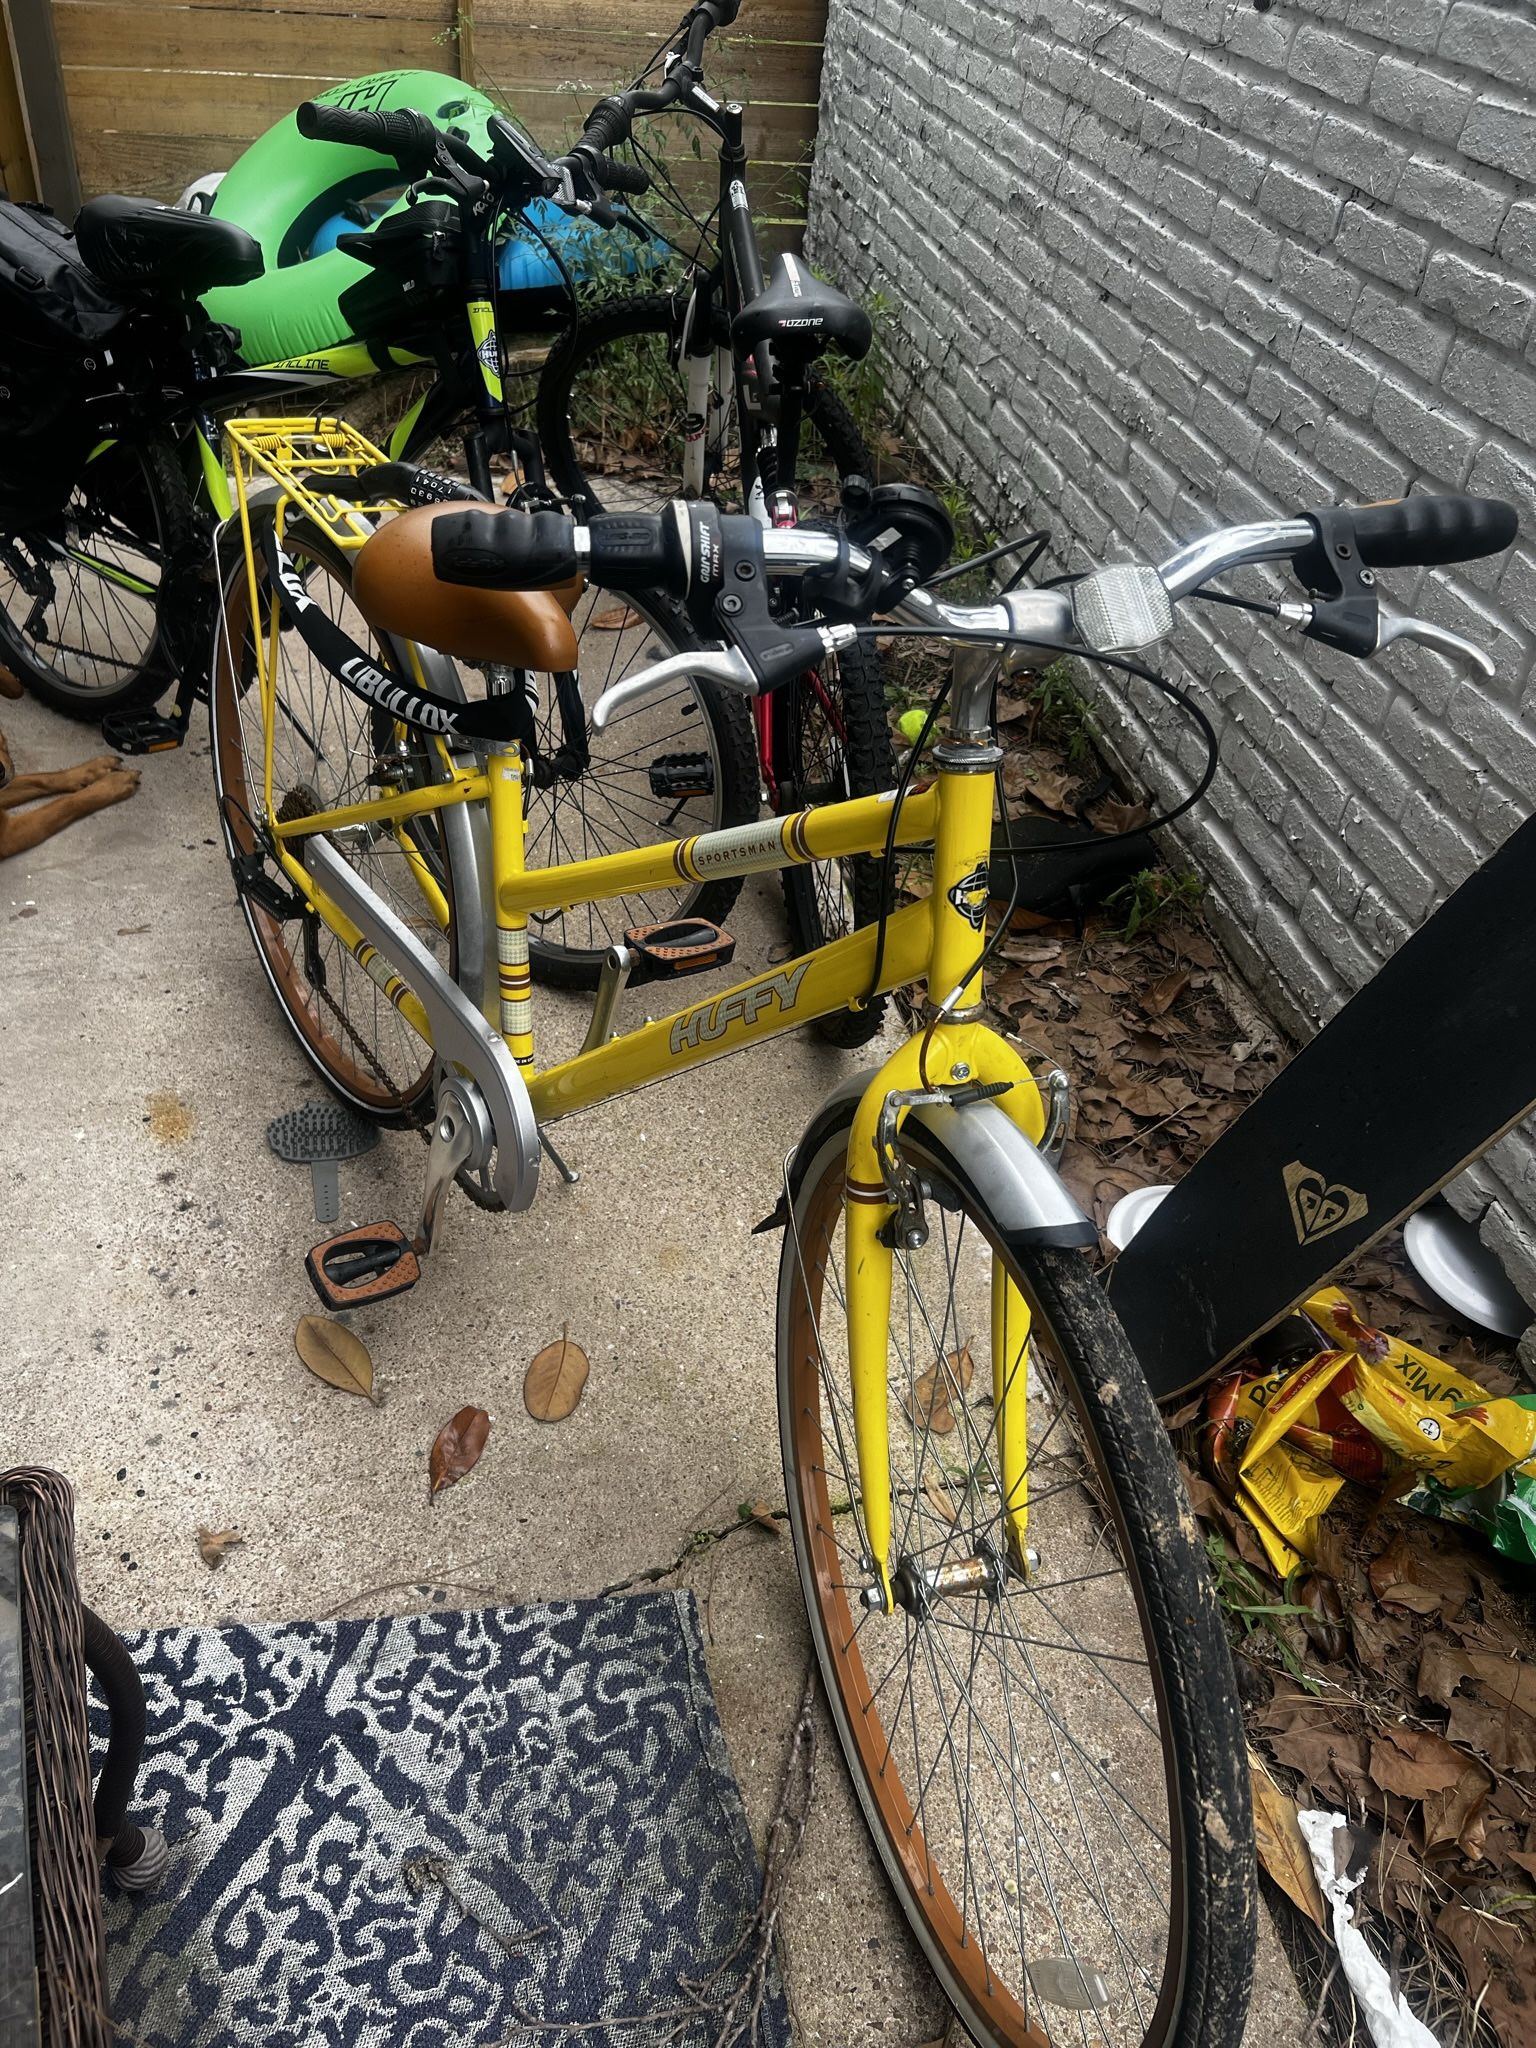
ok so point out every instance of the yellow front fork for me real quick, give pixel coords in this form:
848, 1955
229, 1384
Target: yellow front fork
946, 1057
951, 1056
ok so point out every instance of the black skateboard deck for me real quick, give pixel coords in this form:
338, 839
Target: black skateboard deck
1423, 1069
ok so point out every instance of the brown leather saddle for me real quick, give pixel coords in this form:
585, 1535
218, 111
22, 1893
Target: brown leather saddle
396, 592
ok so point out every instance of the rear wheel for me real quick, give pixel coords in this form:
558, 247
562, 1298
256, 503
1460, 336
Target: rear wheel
329, 749
80, 589
1049, 1751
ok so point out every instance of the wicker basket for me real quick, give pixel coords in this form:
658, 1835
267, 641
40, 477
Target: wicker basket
66, 1881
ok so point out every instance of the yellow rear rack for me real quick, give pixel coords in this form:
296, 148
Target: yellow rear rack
295, 453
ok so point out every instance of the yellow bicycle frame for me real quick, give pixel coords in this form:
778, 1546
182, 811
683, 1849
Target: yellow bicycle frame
935, 940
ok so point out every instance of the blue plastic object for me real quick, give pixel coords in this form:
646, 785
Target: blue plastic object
524, 264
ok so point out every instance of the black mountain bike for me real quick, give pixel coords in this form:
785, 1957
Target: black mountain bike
111, 556
716, 391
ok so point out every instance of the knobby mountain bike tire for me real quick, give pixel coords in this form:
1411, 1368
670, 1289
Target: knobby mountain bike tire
87, 638
330, 748
1051, 1762
832, 741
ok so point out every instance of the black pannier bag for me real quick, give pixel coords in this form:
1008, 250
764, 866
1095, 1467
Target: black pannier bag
56, 321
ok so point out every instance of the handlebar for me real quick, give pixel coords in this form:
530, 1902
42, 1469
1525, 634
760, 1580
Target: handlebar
611, 120
419, 147
693, 553
1411, 532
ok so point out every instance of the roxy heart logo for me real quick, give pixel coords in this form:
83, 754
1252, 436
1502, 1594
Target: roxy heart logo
1318, 1206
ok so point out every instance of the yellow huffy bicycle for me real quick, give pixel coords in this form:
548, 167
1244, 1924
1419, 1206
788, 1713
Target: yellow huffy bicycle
1006, 1589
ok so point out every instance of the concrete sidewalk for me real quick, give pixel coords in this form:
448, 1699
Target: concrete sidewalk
157, 1246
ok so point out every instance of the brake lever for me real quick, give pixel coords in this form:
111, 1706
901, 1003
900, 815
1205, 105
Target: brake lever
724, 665
1389, 627
1395, 626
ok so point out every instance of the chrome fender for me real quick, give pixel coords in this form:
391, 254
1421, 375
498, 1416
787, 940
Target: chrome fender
1027, 1196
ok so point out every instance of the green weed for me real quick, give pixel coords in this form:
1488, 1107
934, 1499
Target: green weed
1153, 894
1248, 1601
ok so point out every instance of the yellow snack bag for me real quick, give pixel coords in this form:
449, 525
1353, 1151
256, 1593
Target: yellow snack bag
1285, 1493
1421, 1410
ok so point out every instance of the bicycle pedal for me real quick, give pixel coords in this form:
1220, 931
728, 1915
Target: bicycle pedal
142, 732
678, 775
364, 1265
685, 945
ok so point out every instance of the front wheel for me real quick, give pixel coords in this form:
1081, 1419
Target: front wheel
1047, 1747
612, 416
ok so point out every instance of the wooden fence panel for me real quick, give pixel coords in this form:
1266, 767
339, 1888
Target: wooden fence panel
160, 92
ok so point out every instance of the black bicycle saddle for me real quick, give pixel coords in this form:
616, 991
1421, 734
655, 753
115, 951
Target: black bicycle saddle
135, 245
796, 311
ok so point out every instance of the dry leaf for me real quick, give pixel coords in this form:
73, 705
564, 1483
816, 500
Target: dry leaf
1193, 945
1150, 1098
457, 1448
1410, 1575
214, 1545
1416, 1764
927, 1404
1507, 1680
555, 1378
1502, 1734
1304, 1736
1162, 995
939, 1500
1111, 815
334, 1355
1499, 1958
1055, 792
618, 618
960, 1369
758, 1511
1281, 1850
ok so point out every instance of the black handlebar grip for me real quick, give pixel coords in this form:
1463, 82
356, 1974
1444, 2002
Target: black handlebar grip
616, 177
504, 550
607, 125
1410, 532
638, 551
402, 133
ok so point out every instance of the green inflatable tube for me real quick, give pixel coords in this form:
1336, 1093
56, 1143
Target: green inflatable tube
284, 187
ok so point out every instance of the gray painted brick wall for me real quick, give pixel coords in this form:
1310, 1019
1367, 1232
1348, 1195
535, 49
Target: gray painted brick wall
1152, 264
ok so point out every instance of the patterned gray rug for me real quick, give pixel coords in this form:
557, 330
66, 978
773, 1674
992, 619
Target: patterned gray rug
433, 1830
